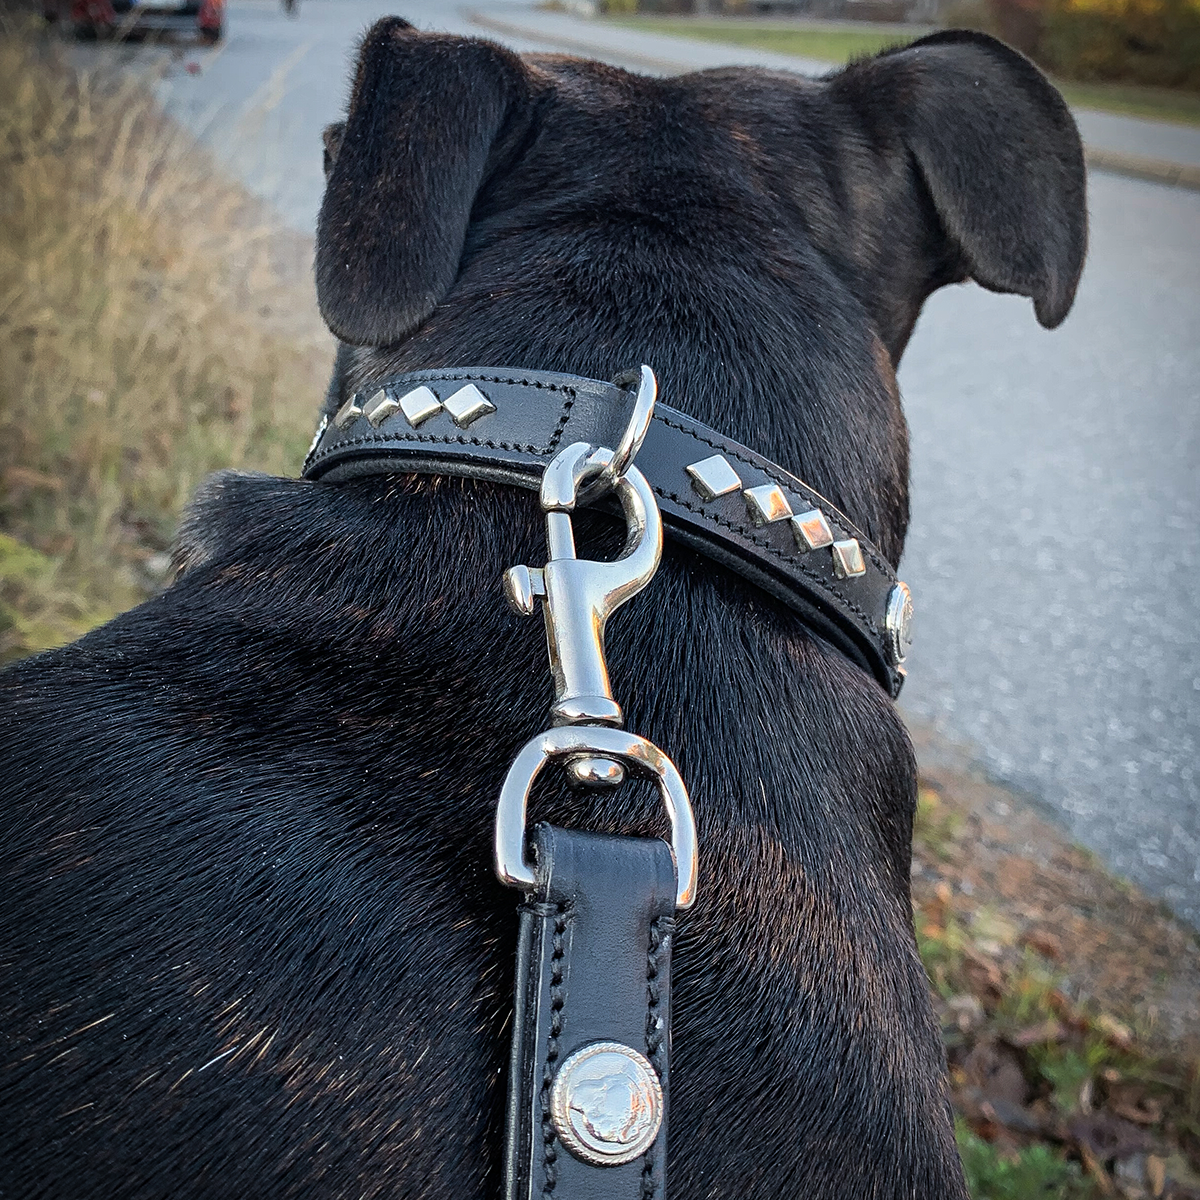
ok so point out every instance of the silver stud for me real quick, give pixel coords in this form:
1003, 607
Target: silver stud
767, 503
468, 404
812, 530
848, 559
714, 477
898, 623
348, 413
380, 407
606, 1104
419, 405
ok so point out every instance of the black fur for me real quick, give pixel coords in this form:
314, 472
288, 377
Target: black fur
253, 945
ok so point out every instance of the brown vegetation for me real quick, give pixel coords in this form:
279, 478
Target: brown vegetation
1070, 1004
153, 327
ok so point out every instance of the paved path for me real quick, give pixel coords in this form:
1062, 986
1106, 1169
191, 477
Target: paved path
1055, 545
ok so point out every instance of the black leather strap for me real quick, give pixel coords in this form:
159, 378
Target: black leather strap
593, 966
538, 412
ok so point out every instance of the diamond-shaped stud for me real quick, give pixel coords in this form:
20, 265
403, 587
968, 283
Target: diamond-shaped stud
419, 405
848, 559
714, 477
380, 407
348, 413
767, 503
468, 404
812, 530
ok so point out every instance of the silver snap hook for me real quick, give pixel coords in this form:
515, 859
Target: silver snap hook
579, 595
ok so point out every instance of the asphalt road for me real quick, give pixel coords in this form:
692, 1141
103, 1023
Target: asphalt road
1055, 542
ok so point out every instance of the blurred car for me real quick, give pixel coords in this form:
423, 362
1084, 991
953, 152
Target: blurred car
136, 18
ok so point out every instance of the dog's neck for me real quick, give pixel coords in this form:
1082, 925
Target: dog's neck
737, 509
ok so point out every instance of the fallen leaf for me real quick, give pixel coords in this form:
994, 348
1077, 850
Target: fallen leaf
1044, 942
964, 1012
1036, 1035
1107, 1137
994, 1070
19, 478
1142, 1111
1156, 1175
1119, 1035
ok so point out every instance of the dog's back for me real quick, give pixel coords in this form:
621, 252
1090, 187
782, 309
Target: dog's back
253, 943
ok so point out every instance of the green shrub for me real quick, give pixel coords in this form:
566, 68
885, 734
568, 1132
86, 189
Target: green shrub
1148, 42
1155, 42
1036, 1172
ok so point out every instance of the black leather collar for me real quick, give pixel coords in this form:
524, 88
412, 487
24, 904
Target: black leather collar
716, 496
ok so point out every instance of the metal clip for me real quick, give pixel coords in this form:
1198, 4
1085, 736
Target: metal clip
644, 759
579, 595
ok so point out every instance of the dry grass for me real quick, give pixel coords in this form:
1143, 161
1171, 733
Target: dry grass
153, 327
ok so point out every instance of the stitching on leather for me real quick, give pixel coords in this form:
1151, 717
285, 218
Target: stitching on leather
562, 423
390, 439
557, 1001
654, 1037
814, 497
393, 439
654, 1042
428, 376
746, 532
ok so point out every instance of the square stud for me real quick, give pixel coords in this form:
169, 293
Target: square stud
812, 530
468, 404
767, 503
714, 477
380, 407
348, 413
848, 559
419, 405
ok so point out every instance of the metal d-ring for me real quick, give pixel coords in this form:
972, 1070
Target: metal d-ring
639, 419
643, 758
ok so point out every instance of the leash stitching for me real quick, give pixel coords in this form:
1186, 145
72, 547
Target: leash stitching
654, 1044
562, 423
390, 439
557, 1000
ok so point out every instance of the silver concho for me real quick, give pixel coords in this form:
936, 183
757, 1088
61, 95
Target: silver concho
899, 623
606, 1104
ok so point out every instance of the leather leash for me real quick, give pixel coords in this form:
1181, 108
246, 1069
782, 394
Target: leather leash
590, 1066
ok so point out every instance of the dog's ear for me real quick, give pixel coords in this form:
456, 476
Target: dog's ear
403, 173
997, 154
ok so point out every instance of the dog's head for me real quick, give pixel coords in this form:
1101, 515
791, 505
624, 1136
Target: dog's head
764, 240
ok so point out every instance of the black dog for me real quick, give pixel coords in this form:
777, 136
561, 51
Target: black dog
253, 944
